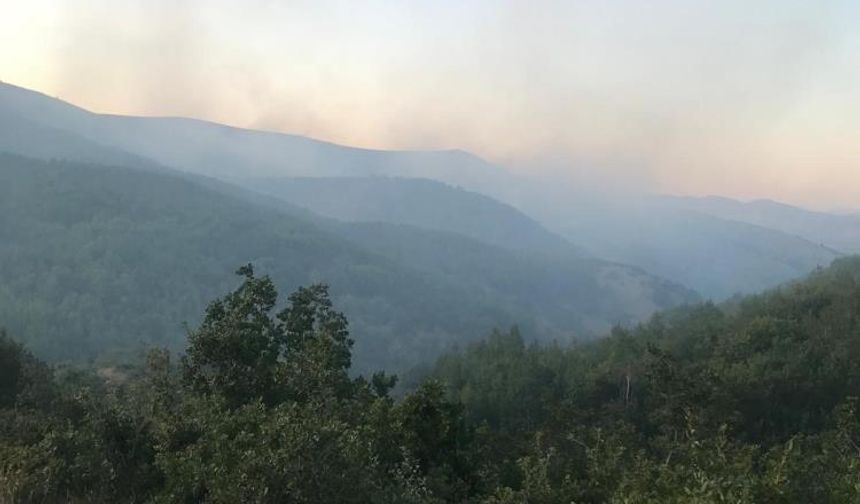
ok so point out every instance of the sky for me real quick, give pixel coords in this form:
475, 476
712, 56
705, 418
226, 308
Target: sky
739, 98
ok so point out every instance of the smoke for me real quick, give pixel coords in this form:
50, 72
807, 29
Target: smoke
697, 97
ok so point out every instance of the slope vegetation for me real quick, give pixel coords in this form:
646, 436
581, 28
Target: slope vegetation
96, 259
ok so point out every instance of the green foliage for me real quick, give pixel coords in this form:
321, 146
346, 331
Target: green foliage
423, 203
23, 378
750, 401
100, 262
236, 349
261, 409
753, 401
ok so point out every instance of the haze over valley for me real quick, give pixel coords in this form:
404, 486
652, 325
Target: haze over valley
376, 252
612, 261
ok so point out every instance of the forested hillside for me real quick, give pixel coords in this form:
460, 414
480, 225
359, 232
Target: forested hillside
403, 252
556, 288
102, 261
708, 253
716, 257
27, 138
212, 149
752, 401
422, 203
840, 232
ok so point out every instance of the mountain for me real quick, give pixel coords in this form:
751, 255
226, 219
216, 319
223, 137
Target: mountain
716, 257
572, 291
229, 153
418, 202
840, 232
28, 138
98, 260
243, 156
712, 254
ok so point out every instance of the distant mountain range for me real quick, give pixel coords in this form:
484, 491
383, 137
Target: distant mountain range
719, 257
418, 202
837, 231
225, 152
110, 250
710, 246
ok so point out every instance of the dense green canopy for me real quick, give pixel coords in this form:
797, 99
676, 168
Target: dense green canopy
750, 401
99, 262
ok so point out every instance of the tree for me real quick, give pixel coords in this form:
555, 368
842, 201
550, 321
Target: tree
236, 350
316, 345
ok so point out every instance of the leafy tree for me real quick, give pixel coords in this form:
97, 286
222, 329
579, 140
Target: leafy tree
750, 401
237, 348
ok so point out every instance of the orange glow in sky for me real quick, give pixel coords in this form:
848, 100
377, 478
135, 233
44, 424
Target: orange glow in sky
745, 99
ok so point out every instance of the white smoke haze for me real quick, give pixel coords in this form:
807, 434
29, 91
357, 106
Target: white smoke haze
746, 100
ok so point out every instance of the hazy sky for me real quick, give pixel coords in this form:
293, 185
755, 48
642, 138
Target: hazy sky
743, 98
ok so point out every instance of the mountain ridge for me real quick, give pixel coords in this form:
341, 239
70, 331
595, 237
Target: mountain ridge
715, 256
111, 247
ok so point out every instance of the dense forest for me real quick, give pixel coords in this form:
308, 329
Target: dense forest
747, 250
423, 203
752, 400
494, 252
97, 262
